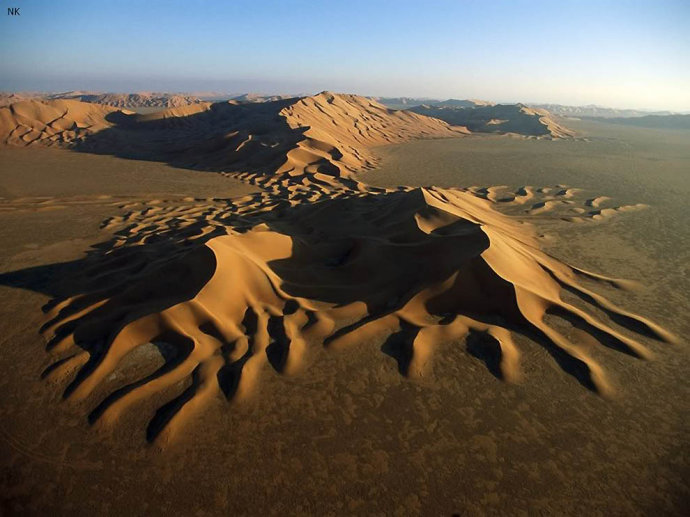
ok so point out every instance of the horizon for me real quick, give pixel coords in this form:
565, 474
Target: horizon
624, 55
218, 96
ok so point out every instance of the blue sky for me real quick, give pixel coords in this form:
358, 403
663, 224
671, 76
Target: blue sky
616, 53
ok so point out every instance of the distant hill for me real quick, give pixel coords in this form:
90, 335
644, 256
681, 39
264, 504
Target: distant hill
129, 100
117, 100
595, 111
7, 98
410, 102
403, 102
461, 103
259, 97
651, 121
499, 118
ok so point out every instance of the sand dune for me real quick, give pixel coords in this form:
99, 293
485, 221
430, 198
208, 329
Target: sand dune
210, 295
326, 134
560, 201
345, 126
501, 118
269, 276
60, 122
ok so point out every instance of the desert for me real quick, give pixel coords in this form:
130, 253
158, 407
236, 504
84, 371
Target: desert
172, 307
333, 303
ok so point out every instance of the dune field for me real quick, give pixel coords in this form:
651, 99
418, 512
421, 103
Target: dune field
267, 283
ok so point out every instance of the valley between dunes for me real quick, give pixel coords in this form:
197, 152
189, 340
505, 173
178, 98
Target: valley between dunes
225, 319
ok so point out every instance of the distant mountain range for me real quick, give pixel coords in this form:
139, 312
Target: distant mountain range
560, 110
143, 99
476, 115
597, 111
410, 102
259, 97
131, 100
117, 100
651, 121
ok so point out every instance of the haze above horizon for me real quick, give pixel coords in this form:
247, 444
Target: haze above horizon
633, 54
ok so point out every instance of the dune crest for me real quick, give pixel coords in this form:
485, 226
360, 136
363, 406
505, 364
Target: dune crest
269, 276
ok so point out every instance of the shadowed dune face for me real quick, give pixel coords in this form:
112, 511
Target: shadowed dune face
231, 290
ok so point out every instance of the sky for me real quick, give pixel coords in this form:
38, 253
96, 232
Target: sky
625, 54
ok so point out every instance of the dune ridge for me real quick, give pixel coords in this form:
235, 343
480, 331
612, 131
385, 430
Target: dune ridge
346, 126
323, 135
